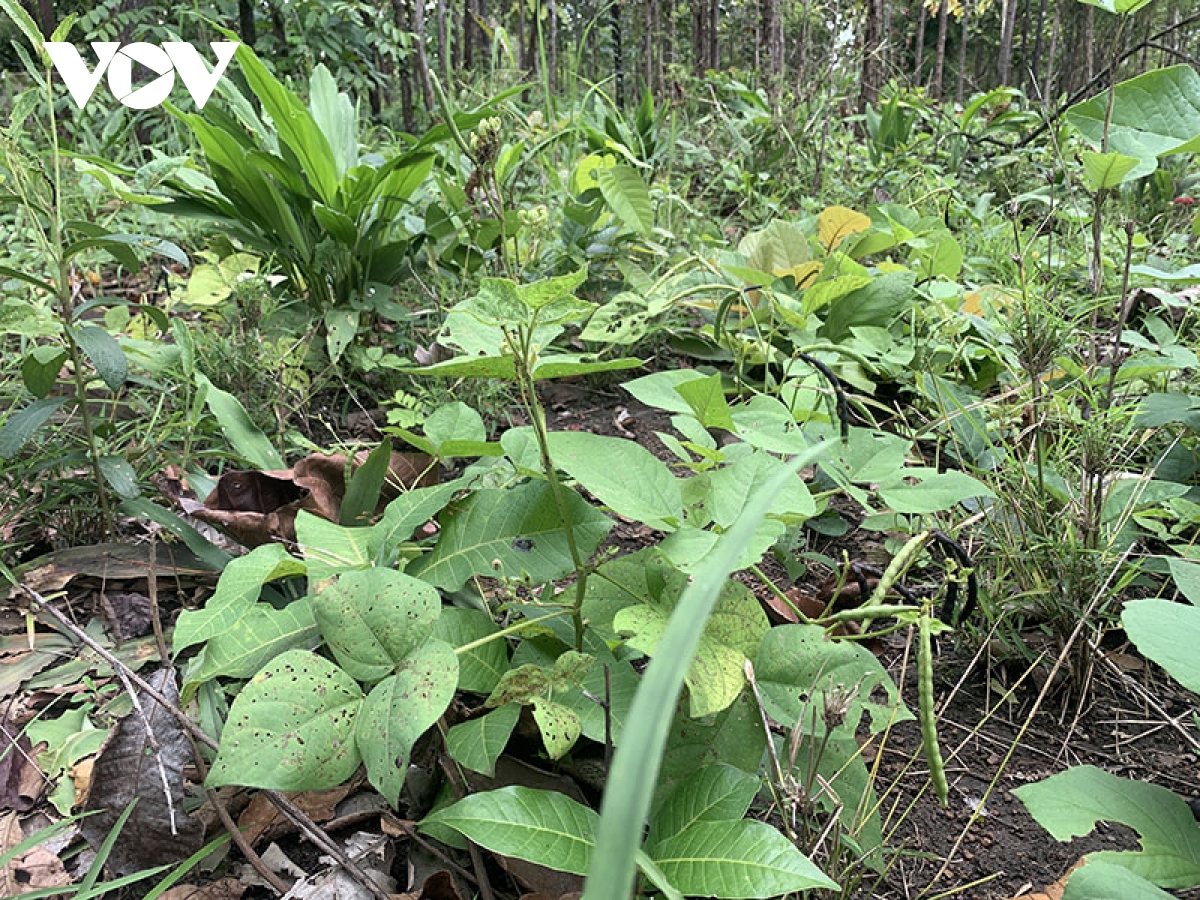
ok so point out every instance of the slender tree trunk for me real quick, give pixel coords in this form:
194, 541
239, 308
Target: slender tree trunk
869, 77
939, 65
648, 44
552, 44
1008, 21
246, 22
1089, 37
614, 24
1052, 56
1022, 75
400, 17
699, 37
1035, 65
520, 48
961, 80
532, 54
920, 58
714, 19
418, 27
443, 39
278, 31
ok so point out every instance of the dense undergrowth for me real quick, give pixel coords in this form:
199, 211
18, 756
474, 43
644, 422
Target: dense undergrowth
980, 349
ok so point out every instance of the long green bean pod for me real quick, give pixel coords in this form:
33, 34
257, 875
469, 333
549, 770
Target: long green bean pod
929, 738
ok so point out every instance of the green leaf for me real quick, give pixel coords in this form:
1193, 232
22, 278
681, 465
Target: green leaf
661, 389
876, 304
478, 743
455, 422
1118, 7
934, 492
541, 827
335, 117
557, 365
17, 15
559, 726
330, 549
796, 661
1153, 115
40, 368
407, 513
103, 351
627, 196
291, 728
212, 556
1070, 804
1105, 170
372, 619
736, 860
119, 246
630, 787
400, 709
243, 435
622, 474
1107, 881
480, 668
550, 291
1187, 578
362, 490
120, 475
731, 487
517, 527
20, 426
706, 398
717, 793
1168, 633
779, 247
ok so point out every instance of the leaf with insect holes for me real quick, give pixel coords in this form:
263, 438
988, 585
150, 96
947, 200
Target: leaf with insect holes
291, 728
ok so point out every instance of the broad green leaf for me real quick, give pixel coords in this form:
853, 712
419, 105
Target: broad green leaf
731, 488
40, 368
103, 352
291, 728
549, 291
119, 246
660, 389
542, 827
1187, 274
1107, 881
559, 726
781, 246
400, 709
1153, 115
736, 860
518, 528
480, 668
478, 743
341, 327
257, 636
406, 514
21, 425
1167, 633
718, 793
19, 17
455, 422
621, 474
329, 548
210, 555
372, 619
237, 591
1187, 578
627, 196
878, 303
768, 424
689, 547
706, 398
934, 492
558, 365
796, 661
335, 117
243, 435
630, 787
1105, 170
120, 475
1069, 805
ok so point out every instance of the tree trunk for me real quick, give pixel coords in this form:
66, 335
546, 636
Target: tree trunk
443, 39
939, 64
520, 48
961, 81
1035, 65
1089, 36
614, 24
920, 44
1052, 55
714, 18
418, 30
552, 44
869, 77
400, 18
246, 22
1008, 21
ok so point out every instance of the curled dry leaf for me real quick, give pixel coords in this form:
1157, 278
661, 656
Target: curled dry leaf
260, 507
20, 779
132, 763
225, 889
261, 819
35, 868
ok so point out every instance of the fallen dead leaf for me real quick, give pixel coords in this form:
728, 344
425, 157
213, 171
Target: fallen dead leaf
20, 778
262, 821
1054, 891
35, 868
225, 889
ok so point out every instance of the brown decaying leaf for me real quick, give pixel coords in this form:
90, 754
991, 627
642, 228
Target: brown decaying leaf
128, 766
20, 779
33, 869
438, 886
1053, 891
262, 821
260, 507
225, 889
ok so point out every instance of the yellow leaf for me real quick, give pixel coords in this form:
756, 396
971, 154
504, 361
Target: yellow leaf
837, 222
996, 298
803, 273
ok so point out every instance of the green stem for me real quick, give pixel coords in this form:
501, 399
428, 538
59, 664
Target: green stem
515, 628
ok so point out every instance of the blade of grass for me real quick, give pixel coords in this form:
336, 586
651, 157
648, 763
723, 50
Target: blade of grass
635, 768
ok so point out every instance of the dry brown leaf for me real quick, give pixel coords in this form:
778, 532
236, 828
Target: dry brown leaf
225, 889
20, 779
1054, 891
438, 886
261, 820
35, 868
260, 507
